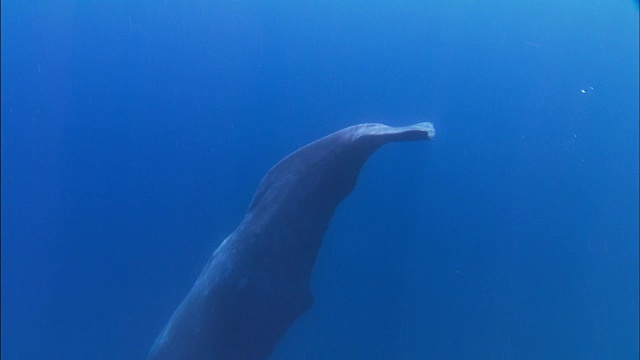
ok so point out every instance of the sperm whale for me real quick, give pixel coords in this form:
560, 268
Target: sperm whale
257, 282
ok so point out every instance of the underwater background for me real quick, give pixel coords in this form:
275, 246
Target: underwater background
134, 134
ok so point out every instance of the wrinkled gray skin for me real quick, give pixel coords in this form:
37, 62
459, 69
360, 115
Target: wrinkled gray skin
256, 284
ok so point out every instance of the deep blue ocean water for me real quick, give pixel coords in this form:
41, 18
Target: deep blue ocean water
134, 134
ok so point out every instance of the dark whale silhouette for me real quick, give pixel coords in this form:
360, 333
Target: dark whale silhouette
258, 280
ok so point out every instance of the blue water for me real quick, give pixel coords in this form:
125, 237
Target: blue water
134, 134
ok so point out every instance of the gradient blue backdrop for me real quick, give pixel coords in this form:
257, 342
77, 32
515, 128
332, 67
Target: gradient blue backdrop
135, 132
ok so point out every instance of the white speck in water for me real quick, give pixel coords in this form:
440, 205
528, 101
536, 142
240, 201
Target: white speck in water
586, 90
